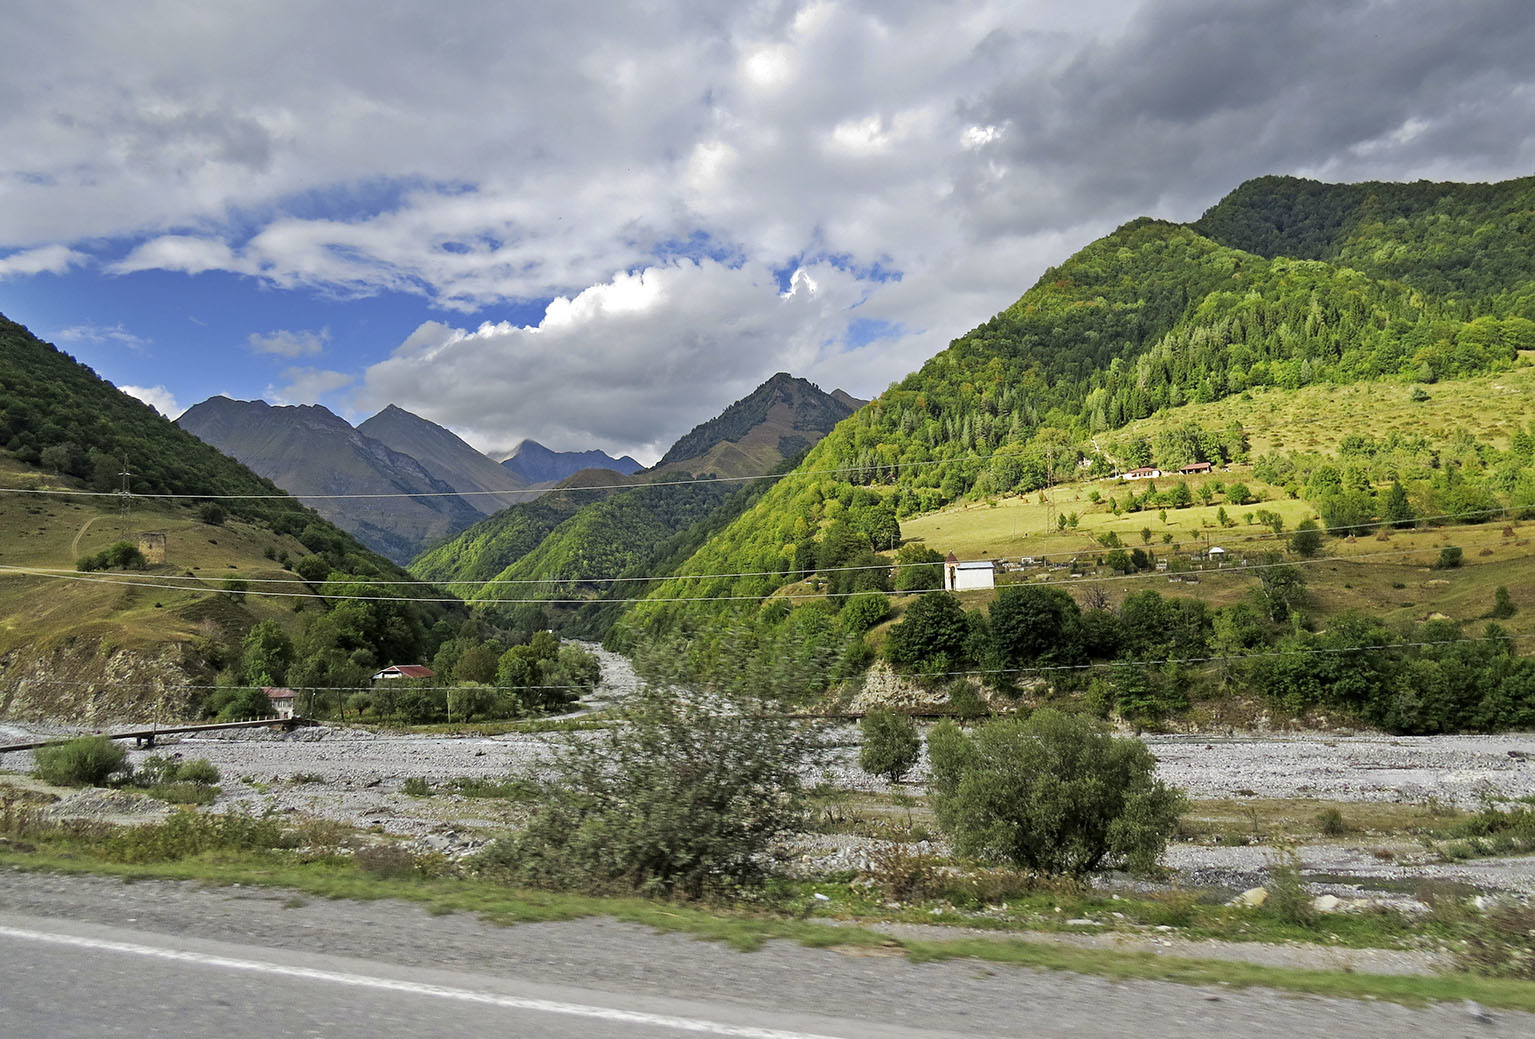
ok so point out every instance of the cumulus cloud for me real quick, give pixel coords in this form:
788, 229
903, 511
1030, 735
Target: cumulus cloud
628, 365
655, 170
302, 385
284, 343
46, 259
157, 397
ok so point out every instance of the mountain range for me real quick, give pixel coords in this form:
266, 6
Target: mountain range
533, 463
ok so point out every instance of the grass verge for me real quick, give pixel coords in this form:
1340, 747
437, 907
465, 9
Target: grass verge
747, 927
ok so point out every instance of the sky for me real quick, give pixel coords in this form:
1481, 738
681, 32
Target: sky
598, 224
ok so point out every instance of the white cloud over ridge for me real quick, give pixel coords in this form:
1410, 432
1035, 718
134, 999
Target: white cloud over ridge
655, 170
157, 397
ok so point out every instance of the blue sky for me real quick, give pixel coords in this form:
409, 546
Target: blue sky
597, 225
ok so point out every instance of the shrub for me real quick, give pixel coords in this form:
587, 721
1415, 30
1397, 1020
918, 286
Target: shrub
212, 513
1449, 558
1306, 542
891, 745
1330, 822
1288, 898
198, 770
1054, 793
120, 555
863, 611
931, 637
684, 800
1503, 604
87, 761
190, 833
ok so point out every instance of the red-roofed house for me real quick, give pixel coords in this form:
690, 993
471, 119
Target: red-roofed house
1194, 468
282, 700
405, 671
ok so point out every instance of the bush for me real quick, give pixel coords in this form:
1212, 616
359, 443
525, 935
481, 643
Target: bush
87, 761
1306, 542
863, 611
190, 833
1449, 558
120, 555
684, 800
1502, 604
891, 745
1331, 823
1054, 793
212, 513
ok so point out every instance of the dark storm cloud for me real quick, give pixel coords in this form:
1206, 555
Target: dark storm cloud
1190, 99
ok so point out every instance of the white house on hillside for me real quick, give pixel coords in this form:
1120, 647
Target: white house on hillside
976, 573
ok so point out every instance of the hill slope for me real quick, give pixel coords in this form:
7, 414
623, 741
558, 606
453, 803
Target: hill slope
310, 451
89, 645
1151, 317
547, 547
442, 453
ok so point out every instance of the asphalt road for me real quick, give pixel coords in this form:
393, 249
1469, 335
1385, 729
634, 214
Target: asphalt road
93, 957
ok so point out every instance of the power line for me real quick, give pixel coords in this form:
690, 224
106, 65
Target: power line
160, 585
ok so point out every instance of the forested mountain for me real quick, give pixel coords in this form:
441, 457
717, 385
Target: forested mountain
442, 453
312, 453
1284, 284
534, 463
550, 549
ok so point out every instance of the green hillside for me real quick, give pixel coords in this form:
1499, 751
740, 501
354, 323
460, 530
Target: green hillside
109, 642
1147, 321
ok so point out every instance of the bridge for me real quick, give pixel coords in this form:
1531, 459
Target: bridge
147, 737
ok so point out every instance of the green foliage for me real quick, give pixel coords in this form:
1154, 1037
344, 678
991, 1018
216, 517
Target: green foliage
1055, 793
266, 655
1033, 625
932, 636
1281, 588
246, 704
212, 513
1306, 541
684, 800
1450, 558
920, 569
87, 761
188, 833
1502, 604
890, 746
864, 610
120, 555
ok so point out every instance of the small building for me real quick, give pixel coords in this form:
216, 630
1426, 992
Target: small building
1217, 554
975, 573
1145, 472
1195, 469
394, 671
282, 700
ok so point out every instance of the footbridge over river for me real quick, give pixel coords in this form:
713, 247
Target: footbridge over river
147, 737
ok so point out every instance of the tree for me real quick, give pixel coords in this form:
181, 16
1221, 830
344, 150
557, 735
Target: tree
932, 635
1502, 604
864, 610
246, 703
1281, 588
684, 800
1239, 494
1396, 510
266, 655
919, 568
891, 745
1450, 557
1306, 541
1031, 623
1055, 793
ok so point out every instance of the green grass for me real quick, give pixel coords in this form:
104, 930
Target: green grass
746, 929
1494, 407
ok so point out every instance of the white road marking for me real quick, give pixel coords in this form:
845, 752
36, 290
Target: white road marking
687, 1024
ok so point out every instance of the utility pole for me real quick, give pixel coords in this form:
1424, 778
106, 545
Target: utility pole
123, 499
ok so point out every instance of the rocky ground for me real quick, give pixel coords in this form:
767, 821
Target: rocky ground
356, 776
